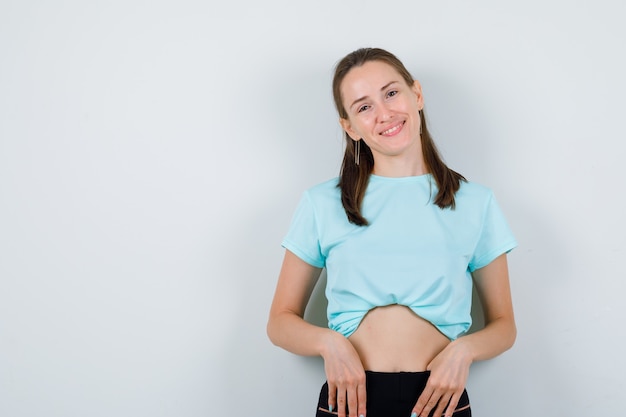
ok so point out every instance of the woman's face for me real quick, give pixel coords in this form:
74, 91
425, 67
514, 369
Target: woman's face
382, 110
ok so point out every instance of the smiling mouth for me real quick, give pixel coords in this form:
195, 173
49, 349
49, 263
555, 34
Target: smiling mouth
392, 130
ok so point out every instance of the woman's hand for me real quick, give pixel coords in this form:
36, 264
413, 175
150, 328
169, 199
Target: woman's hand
448, 374
449, 369
345, 376
287, 328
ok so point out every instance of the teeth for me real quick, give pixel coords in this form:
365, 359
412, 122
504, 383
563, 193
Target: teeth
393, 129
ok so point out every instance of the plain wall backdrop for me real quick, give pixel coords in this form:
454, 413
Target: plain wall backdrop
152, 154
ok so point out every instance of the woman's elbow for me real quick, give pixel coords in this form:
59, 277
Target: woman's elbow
510, 335
270, 330
276, 327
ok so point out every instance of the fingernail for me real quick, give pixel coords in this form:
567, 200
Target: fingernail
330, 408
413, 414
361, 415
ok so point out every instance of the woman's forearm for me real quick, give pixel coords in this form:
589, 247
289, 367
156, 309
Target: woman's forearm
291, 332
498, 335
495, 338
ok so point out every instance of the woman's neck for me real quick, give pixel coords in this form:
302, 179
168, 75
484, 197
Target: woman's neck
399, 167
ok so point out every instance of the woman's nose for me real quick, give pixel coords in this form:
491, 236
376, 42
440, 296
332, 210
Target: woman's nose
384, 113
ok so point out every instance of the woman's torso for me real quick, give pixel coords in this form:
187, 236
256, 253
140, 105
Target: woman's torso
394, 339
400, 288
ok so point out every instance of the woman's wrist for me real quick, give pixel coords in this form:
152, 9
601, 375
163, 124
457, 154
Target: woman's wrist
463, 349
328, 342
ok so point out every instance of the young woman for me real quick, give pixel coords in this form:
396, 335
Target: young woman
402, 237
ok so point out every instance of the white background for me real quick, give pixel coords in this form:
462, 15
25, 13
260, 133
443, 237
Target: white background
152, 153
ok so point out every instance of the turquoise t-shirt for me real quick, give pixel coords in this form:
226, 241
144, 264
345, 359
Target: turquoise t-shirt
412, 252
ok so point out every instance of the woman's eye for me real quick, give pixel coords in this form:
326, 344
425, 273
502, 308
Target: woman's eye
363, 108
392, 93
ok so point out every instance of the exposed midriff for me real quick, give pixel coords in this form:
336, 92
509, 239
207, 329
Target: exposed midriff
395, 339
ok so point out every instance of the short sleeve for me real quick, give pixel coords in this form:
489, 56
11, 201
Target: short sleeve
495, 238
303, 235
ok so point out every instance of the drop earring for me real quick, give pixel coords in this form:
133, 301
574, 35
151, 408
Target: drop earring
421, 122
357, 151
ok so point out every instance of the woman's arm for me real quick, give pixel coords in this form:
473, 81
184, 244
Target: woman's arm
286, 328
449, 369
494, 291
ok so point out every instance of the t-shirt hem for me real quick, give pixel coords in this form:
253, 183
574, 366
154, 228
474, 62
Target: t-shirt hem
301, 254
491, 256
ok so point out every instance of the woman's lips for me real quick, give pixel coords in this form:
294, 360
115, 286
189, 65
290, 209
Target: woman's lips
393, 130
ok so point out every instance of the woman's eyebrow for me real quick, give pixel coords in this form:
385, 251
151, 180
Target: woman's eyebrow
366, 97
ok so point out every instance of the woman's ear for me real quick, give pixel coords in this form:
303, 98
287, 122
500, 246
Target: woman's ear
347, 127
417, 89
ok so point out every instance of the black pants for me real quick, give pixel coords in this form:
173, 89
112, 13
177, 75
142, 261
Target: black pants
391, 394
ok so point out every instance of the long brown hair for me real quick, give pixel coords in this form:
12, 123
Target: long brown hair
354, 178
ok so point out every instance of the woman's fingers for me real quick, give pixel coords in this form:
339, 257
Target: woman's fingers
356, 398
441, 405
345, 376
454, 401
362, 398
439, 400
332, 396
422, 406
341, 402
352, 394
353, 401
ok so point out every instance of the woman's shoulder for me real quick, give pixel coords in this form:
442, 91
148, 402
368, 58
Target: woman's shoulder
326, 189
324, 199
474, 187
471, 191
